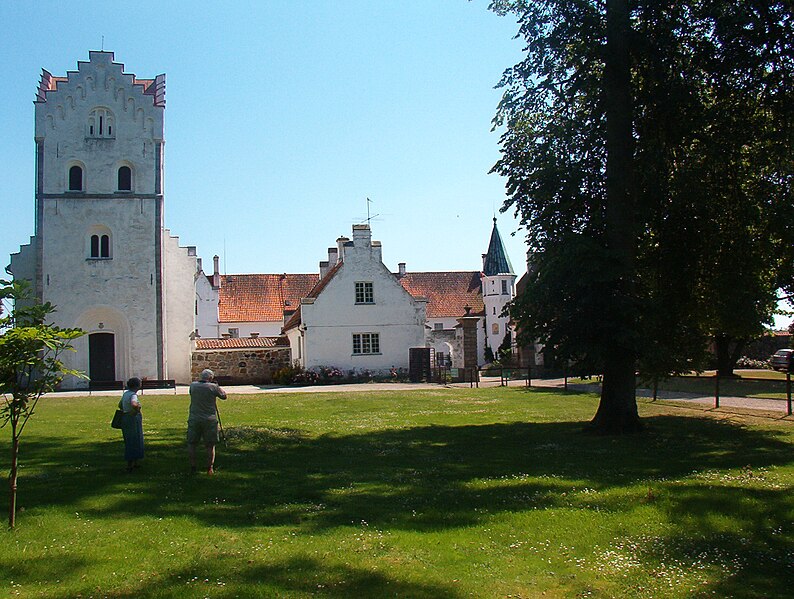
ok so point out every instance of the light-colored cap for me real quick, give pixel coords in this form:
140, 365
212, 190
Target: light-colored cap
207, 375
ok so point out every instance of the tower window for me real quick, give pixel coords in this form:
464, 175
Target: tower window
100, 124
504, 287
75, 178
99, 246
125, 178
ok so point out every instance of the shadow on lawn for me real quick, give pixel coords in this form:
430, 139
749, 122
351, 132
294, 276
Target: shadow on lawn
417, 478
223, 577
437, 477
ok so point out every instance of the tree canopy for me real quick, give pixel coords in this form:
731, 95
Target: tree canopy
709, 224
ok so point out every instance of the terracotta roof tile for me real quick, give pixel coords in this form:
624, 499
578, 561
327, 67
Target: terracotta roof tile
241, 343
295, 319
448, 293
246, 298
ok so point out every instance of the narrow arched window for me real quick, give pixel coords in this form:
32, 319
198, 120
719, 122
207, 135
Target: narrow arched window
125, 178
75, 178
99, 246
100, 124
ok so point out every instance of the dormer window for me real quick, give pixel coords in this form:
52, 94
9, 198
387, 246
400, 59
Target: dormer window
125, 178
76, 178
101, 124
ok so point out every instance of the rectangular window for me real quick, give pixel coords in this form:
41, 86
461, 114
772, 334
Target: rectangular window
504, 287
364, 293
438, 326
366, 343
234, 333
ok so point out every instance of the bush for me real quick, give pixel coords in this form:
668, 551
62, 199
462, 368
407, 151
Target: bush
286, 375
745, 362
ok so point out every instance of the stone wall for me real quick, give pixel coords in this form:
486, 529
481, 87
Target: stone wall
245, 366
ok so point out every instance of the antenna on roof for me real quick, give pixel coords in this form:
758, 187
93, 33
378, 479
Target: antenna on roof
370, 217
224, 254
103, 43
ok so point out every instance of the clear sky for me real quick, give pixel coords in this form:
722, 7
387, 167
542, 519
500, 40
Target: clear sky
282, 117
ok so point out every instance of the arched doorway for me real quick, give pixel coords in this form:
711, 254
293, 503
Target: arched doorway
102, 357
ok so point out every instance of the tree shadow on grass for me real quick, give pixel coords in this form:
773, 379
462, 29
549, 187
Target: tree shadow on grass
227, 577
433, 478
419, 478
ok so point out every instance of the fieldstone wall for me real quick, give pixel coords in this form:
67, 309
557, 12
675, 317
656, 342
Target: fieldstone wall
252, 366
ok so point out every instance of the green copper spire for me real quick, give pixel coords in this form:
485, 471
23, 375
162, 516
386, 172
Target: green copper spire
496, 261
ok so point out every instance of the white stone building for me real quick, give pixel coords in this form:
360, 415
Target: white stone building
245, 305
100, 252
358, 316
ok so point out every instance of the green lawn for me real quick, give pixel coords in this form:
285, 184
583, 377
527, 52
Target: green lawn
437, 494
760, 384
772, 385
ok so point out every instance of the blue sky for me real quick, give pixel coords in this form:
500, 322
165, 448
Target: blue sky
282, 117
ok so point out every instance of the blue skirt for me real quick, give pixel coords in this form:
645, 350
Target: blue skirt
132, 429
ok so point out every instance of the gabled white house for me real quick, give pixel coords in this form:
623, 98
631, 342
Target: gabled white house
358, 316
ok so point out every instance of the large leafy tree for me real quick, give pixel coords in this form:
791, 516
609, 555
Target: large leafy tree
30, 365
658, 209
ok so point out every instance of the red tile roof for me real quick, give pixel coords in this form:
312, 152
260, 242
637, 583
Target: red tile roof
295, 319
241, 343
246, 298
448, 293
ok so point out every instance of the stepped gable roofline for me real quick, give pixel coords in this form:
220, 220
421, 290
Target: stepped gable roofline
149, 87
242, 343
496, 261
261, 297
295, 319
448, 293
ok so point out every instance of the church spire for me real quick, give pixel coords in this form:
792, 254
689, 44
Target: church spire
496, 261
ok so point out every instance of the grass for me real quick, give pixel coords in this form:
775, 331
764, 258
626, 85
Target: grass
437, 494
759, 384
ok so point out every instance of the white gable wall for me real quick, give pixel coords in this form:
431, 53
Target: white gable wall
332, 319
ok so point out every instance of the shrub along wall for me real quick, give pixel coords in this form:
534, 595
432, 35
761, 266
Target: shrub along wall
244, 366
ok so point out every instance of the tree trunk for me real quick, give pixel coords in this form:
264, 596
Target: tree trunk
727, 356
617, 412
12, 479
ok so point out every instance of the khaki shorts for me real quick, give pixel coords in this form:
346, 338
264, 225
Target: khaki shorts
202, 429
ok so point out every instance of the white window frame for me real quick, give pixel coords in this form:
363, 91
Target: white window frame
366, 344
365, 292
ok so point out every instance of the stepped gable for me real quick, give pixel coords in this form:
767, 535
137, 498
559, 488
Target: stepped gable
496, 261
149, 87
261, 297
448, 293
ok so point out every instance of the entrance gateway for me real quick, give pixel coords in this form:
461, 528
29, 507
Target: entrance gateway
102, 357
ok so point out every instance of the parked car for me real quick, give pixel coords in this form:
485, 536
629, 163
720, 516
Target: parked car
782, 360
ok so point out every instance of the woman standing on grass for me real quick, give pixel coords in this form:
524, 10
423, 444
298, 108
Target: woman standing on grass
132, 424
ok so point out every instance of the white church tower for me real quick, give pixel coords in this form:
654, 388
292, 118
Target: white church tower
498, 288
100, 253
